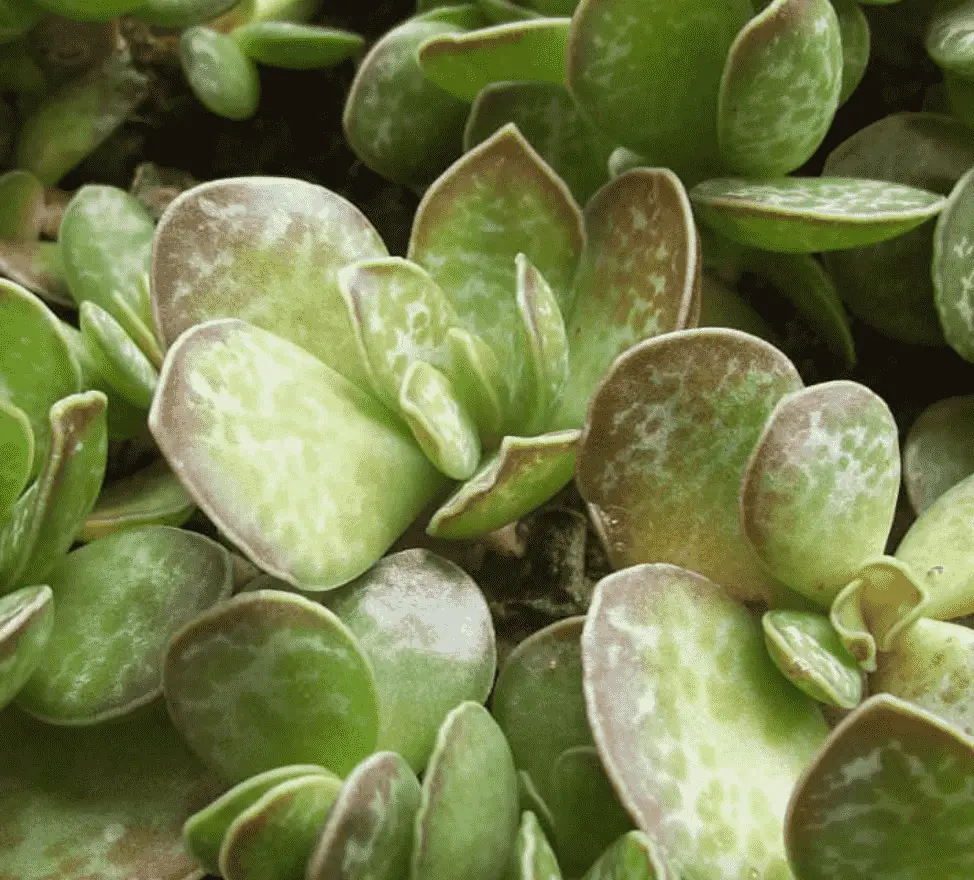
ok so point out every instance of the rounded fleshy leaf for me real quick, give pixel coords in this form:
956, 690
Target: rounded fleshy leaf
532, 857
499, 200
268, 679
117, 357
519, 51
633, 856
587, 814
181, 13
224, 80
950, 37
26, 619
624, 57
396, 121
953, 267
152, 496
105, 801
819, 494
368, 834
702, 737
780, 88
88, 10
36, 365
119, 602
523, 474
204, 831
468, 812
440, 423
931, 665
16, 453
273, 838
548, 117
809, 653
38, 267
231, 396
661, 481
937, 548
296, 46
426, 628
638, 274
538, 700
106, 246
70, 123
231, 248
856, 44
937, 453
21, 206
905, 776
811, 214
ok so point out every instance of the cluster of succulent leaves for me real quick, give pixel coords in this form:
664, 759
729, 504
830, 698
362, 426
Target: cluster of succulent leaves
212, 665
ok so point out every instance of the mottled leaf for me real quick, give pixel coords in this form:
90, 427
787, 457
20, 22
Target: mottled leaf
660, 478
296, 46
222, 77
953, 268
16, 453
26, 619
21, 206
950, 37
532, 857
938, 453
856, 44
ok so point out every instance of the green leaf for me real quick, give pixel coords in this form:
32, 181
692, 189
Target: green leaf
937, 453
548, 117
368, 834
268, 679
518, 51
531, 801
267, 251
426, 628
120, 600
501, 11
634, 856
21, 206
205, 830
37, 266
532, 857
474, 373
181, 13
586, 810
856, 43
296, 46
819, 494
468, 813
780, 88
69, 124
701, 736
105, 801
638, 275
273, 838
231, 394
903, 775
661, 479
396, 121
723, 307
222, 77
26, 619
948, 38
953, 267
16, 453
88, 10
810, 214
117, 357
523, 474
809, 653
624, 57
17, 17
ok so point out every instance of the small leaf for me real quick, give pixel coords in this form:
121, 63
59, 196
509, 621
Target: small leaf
937, 453
36, 266
224, 80
661, 480
225, 692
780, 88
810, 214
426, 628
701, 736
474, 373
296, 46
523, 474
16, 453
468, 813
119, 601
180, 13
634, 856
26, 619
819, 494
21, 206
618, 52
227, 249
809, 653
888, 759
368, 834
273, 838
519, 51
856, 44
118, 358
69, 124
532, 857
204, 831
639, 272
948, 37
953, 249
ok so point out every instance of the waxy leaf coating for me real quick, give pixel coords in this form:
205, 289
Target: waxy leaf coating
856, 44
268, 679
937, 453
890, 795
26, 620
661, 479
701, 736
532, 857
